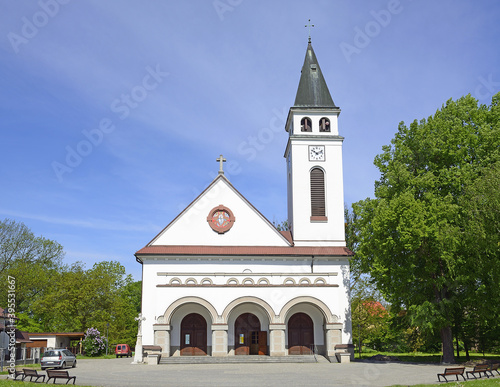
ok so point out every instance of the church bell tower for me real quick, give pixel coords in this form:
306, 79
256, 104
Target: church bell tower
314, 162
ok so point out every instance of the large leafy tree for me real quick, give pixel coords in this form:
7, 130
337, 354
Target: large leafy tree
80, 298
415, 236
52, 296
30, 259
481, 295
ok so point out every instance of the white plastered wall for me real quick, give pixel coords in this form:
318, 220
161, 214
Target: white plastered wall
250, 228
157, 299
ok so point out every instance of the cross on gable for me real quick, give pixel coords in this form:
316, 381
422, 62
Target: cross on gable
221, 160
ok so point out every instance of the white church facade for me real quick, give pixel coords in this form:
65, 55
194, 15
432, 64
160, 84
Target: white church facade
221, 280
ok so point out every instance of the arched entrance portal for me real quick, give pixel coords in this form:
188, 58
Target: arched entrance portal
300, 334
248, 338
193, 335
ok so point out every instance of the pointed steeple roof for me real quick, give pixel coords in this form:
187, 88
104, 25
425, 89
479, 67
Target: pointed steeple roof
312, 91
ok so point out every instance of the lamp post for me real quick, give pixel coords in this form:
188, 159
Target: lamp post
4, 340
359, 340
107, 338
1, 341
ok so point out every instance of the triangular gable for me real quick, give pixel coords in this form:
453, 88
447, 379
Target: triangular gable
191, 228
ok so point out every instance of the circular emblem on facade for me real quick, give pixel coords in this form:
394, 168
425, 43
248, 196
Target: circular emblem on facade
221, 219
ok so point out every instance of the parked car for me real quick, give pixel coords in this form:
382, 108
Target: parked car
58, 358
123, 350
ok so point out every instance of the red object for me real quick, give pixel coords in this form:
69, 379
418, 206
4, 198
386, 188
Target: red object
123, 350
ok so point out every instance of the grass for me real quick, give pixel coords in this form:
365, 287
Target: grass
421, 357
37, 366
17, 383
468, 383
110, 356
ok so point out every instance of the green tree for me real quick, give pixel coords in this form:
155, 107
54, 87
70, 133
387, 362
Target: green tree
412, 236
80, 298
478, 325
31, 260
51, 296
123, 326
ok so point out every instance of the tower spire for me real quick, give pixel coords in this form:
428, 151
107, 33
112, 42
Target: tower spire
312, 90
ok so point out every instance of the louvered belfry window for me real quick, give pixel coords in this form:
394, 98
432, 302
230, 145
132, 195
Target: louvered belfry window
318, 193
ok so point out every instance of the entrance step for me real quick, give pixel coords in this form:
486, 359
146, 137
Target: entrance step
242, 359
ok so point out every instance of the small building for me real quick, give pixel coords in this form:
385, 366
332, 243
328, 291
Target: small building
10, 334
56, 340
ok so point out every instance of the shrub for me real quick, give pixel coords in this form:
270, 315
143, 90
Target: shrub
93, 343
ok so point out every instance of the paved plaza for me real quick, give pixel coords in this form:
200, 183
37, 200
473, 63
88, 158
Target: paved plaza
120, 372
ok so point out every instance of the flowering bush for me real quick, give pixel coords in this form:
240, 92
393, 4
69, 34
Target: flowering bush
93, 343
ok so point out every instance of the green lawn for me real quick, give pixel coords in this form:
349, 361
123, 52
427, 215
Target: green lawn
469, 383
420, 357
110, 356
14, 383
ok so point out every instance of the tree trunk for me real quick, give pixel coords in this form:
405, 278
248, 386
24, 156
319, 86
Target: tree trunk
447, 345
466, 344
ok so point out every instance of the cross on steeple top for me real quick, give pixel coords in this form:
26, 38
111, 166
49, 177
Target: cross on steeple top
221, 160
309, 25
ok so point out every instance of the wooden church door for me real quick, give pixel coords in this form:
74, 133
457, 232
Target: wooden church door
193, 335
248, 338
300, 334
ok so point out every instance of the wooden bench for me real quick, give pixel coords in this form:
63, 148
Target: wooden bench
494, 367
457, 371
14, 373
479, 369
32, 374
55, 374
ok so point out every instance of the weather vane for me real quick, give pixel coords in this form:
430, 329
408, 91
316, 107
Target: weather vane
309, 25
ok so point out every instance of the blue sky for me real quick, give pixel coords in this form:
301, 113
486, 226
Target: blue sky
113, 112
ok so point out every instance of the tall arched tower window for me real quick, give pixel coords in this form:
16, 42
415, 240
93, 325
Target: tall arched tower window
305, 124
318, 206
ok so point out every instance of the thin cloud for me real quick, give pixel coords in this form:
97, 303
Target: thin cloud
96, 224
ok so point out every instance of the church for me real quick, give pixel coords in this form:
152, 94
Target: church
221, 280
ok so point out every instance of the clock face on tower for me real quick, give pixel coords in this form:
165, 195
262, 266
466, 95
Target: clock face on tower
316, 153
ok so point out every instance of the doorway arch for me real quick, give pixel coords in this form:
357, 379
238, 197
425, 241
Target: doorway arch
300, 334
248, 338
193, 335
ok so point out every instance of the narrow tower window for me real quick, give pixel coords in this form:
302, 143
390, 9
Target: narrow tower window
324, 125
318, 211
305, 124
